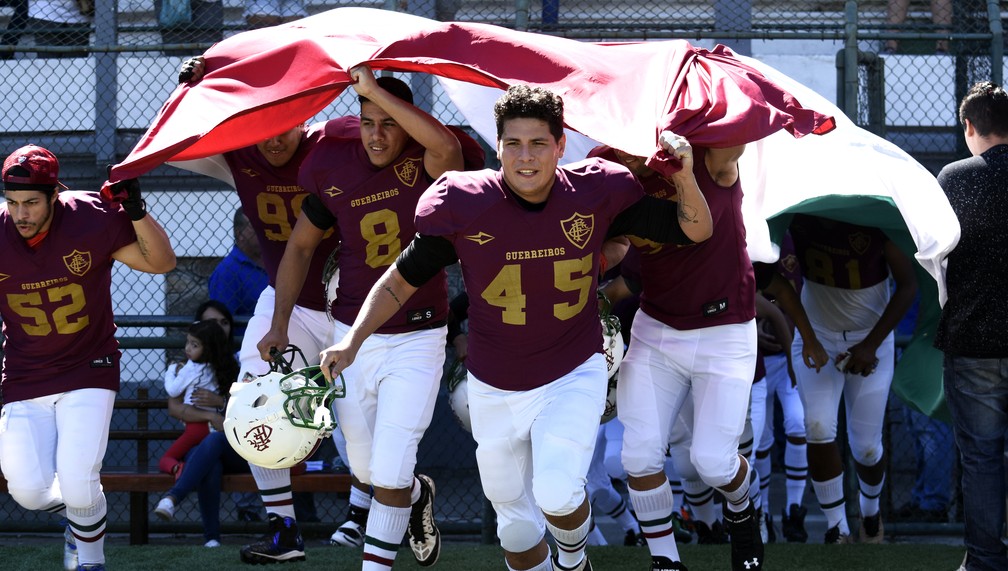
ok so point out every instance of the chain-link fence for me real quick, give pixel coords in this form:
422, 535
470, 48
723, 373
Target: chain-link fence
85, 80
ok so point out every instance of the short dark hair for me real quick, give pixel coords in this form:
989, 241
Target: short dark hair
396, 87
986, 107
526, 102
240, 220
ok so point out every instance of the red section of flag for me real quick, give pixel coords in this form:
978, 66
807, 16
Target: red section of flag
263, 82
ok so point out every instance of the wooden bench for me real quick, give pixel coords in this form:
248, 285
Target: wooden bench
140, 480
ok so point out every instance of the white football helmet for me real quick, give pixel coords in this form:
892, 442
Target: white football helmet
612, 343
280, 418
612, 346
458, 394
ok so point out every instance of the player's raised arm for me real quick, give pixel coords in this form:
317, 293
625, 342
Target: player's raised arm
442, 149
693, 212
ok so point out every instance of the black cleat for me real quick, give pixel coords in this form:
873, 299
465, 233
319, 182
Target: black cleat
872, 530
746, 543
634, 539
713, 535
834, 537
660, 563
424, 537
283, 544
793, 524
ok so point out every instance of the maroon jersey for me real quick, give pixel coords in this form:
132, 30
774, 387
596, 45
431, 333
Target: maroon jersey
531, 275
705, 284
374, 209
839, 254
56, 300
271, 199
787, 263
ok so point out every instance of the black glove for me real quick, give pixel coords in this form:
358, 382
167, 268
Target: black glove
191, 70
127, 194
134, 204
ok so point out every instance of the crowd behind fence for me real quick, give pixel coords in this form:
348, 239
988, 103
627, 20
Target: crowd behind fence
87, 81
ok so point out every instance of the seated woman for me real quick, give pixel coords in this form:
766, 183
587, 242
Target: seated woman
208, 460
205, 465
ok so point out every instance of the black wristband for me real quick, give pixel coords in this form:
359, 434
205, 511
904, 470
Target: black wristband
135, 209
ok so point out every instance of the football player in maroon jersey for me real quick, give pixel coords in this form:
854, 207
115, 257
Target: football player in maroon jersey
529, 238
61, 358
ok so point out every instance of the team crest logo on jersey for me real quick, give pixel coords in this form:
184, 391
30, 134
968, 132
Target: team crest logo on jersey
578, 229
859, 241
333, 192
78, 262
259, 437
481, 238
408, 171
250, 172
790, 262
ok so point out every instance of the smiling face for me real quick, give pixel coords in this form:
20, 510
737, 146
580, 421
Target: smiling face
279, 150
31, 211
529, 155
384, 139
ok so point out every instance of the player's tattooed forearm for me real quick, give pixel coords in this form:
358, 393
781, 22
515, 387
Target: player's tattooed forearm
144, 248
687, 213
392, 293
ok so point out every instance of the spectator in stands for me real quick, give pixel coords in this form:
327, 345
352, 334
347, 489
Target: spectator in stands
61, 23
210, 365
971, 329
941, 15
15, 27
446, 10
203, 464
239, 278
205, 26
61, 358
263, 13
247, 504
217, 311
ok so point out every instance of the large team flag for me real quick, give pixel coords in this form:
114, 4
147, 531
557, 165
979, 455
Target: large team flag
263, 82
